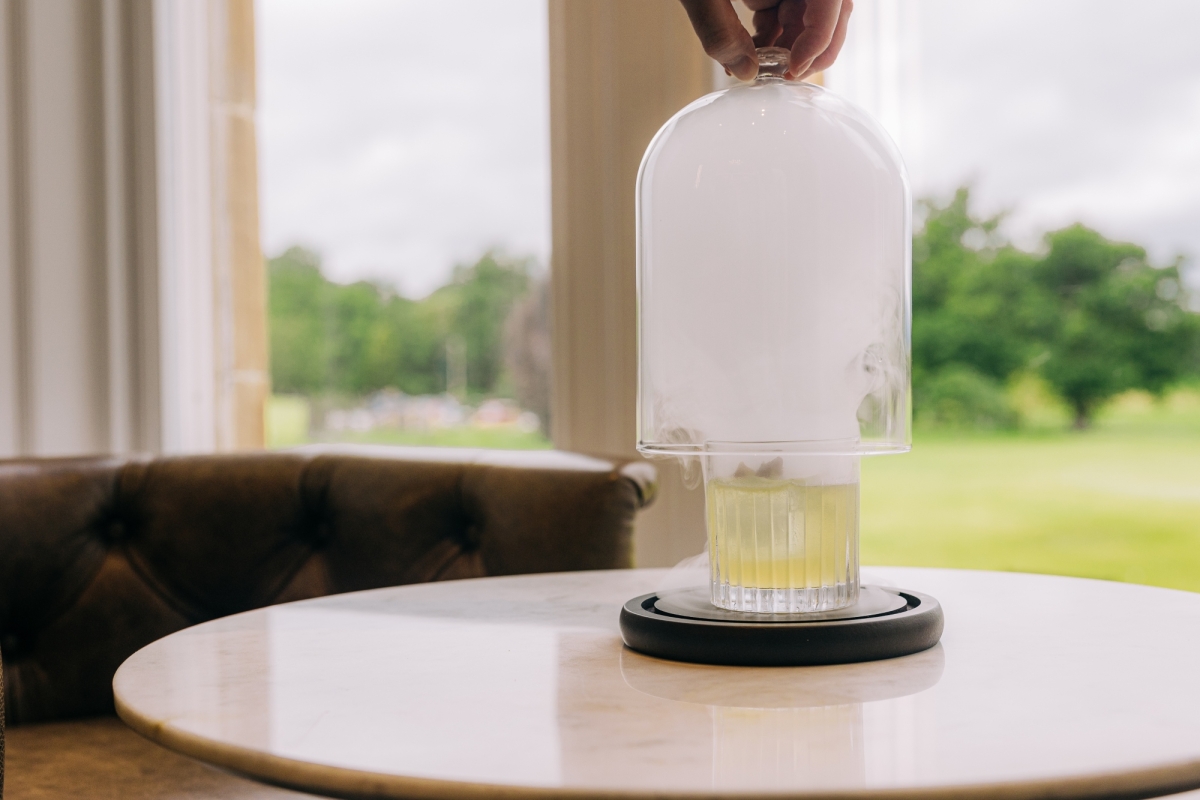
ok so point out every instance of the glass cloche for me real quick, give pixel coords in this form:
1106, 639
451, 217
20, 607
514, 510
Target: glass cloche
773, 279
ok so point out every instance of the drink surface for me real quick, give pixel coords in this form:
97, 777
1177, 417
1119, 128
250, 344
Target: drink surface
782, 546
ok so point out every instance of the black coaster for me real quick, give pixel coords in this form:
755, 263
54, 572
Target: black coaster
713, 636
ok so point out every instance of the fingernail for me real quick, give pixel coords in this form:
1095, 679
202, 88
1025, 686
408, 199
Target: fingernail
798, 73
743, 65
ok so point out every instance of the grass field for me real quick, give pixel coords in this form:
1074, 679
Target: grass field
497, 438
288, 424
1120, 501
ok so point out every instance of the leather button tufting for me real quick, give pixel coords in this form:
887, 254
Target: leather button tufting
10, 645
114, 531
322, 533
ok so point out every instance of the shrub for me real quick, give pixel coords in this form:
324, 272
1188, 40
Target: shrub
959, 396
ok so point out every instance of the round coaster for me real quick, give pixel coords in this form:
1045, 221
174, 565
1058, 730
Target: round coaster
751, 641
695, 604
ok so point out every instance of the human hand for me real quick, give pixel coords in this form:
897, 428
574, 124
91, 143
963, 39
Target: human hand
813, 30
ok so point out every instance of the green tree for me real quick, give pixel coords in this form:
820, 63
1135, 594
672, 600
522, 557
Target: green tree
977, 315
485, 293
301, 345
406, 350
361, 337
975, 300
343, 338
1121, 323
1091, 315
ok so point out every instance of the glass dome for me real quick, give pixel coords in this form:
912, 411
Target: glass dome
773, 279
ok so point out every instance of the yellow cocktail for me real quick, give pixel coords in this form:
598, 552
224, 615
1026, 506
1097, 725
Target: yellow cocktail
780, 545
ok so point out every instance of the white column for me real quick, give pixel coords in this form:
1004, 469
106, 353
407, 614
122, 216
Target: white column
185, 233
618, 70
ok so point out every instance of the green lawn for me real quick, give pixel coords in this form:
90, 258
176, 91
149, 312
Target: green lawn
496, 438
1120, 501
288, 424
287, 419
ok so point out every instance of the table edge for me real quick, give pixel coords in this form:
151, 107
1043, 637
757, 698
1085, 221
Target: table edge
354, 784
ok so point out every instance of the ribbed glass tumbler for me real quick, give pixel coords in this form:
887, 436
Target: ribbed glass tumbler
782, 532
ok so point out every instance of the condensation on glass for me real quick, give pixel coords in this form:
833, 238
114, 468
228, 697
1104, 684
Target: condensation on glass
774, 263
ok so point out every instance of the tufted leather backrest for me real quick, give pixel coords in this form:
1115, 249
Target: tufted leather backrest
100, 556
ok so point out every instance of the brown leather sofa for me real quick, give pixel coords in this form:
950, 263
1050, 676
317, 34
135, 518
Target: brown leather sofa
100, 556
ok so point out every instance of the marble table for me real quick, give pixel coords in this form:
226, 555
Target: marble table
520, 687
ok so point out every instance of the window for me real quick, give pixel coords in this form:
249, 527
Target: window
405, 197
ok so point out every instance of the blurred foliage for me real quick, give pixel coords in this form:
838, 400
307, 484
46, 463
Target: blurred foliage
355, 339
1121, 323
527, 351
1084, 319
1090, 317
958, 396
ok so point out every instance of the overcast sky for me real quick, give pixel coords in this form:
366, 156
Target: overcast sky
397, 139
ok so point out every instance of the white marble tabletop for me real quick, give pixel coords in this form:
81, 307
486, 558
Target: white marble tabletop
520, 687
